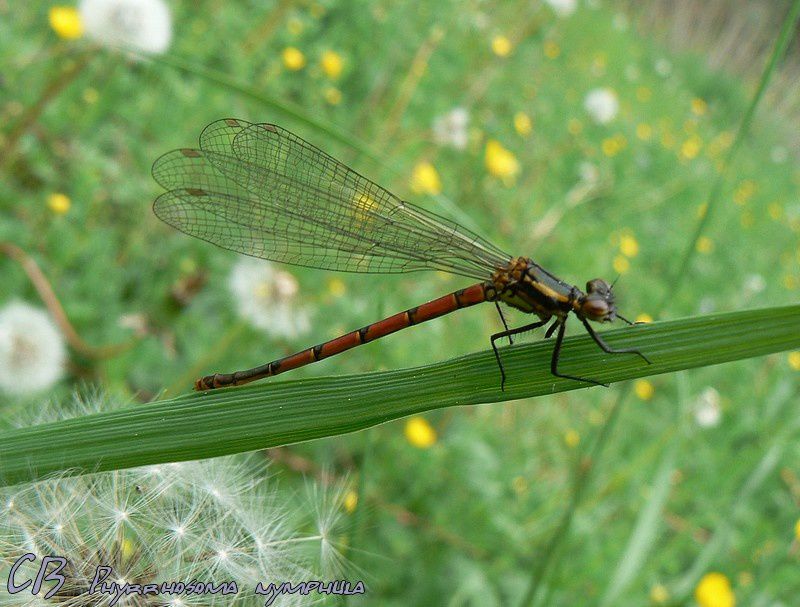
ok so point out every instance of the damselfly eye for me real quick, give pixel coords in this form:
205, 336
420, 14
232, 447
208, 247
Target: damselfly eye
595, 308
599, 286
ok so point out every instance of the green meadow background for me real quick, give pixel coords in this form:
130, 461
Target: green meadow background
487, 505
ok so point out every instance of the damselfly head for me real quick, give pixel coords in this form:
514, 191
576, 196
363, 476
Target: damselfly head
598, 303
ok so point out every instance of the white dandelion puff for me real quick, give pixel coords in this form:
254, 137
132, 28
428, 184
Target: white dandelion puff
143, 25
563, 8
707, 409
601, 105
32, 352
450, 129
266, 297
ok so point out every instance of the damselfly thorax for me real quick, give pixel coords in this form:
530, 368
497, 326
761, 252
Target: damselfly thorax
260, 190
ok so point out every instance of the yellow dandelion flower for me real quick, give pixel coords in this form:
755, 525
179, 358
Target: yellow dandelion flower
714, 590
659, 594
644, 317
295, 26
705, 245
794, 360
501, 162
572, 438
332, 95
629, 246
66, 22
59, 203
425, 179
574, 126
293, 58
332, 64
127, 548
789, 282
501, 46
699, 106
644, 389
797, 524
612, 146
621, 264
643, 93
364, 206
91, 96
775, 211
644, 131
522, 123
336, 287
350, 501
419, 432
551, 49
691, 147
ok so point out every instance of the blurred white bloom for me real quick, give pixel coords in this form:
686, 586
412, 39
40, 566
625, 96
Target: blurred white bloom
663, 67
602, 105
754, 284
588, 173
267, 298
779, 154
143, 25
451, 128
563, 8
707, 410
32, 353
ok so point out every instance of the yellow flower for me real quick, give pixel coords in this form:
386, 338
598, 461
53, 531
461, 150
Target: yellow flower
419, 432
629, 246
522, 123
714, 590
659, 594
621, 264
644, 317
797, 524
699, 106
336, 287
644, 389
500, 162
332, 95
691, 147
59, 203
332, 64
66, 22
551, 49
501, 46
612, 146
705, 244
644, 131
574, 126
91, 95
794, 361
572, 438
293, 58
425, 179
350, 501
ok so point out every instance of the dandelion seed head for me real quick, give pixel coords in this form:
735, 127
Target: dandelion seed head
450, 129
707, 409
563, 8
602, 105
32, 352
142, 25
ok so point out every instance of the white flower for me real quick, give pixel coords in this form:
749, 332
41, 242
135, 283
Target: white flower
707, 410
754, 284
588, 173
563, 8
32, 353
451, 128
267, 298
602, 105
143, 25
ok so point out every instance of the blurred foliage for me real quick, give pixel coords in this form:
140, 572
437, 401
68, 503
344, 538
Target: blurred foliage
466, 518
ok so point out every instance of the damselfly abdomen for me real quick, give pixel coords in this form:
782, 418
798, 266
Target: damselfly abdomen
260, 190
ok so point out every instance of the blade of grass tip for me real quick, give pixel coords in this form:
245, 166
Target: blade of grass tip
778, 51
247, 418
784, 37
285, 107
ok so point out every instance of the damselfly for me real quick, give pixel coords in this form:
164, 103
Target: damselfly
260, 190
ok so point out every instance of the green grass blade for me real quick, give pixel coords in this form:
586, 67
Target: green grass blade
197, 426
